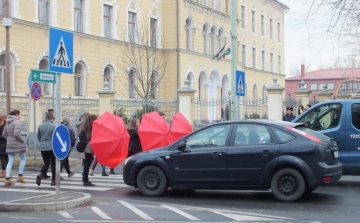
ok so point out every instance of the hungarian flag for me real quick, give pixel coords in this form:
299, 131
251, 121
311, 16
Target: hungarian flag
227, 52
218, 55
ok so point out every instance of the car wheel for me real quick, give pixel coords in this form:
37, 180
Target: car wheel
288, 185
151, 181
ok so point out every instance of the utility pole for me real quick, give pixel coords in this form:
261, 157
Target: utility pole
234, 60
7, 21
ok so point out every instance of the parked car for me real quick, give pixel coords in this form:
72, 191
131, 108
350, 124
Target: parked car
286, 157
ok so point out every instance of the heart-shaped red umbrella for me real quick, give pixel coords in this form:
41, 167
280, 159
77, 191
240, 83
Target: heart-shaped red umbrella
154, 131
180, 126
109, 139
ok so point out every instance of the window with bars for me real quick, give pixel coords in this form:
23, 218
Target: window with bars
132, 83
78, 16
243, 22
44, 12
132, 27
107, 21
2, 72
153, 32
46, 87
79, 79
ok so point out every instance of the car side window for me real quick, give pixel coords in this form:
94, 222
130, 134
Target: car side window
251, 134
355, 115
323, 117
214, 136
282, 136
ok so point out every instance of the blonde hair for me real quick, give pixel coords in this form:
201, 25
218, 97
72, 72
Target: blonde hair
67, 119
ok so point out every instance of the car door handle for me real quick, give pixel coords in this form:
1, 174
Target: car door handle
216, 154
267, 152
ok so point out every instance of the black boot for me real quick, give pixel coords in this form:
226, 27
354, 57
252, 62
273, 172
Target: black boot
104, 174
112, 171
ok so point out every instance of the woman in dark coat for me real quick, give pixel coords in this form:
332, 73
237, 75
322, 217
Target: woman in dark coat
134, 144
4, 159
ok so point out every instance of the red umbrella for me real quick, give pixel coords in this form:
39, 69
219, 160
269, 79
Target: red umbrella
180, 126
154, 131
109, 139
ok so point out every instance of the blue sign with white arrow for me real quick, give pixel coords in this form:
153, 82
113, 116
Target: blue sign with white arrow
61, 142
61, 51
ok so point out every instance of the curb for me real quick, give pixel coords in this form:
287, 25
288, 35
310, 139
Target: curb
50, 206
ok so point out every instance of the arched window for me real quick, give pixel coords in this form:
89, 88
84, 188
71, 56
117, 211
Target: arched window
108, 75
213, 42
254, 93
221, 39
205, 33
189, 34
132, 83
46, 87
264, 92
2, 72
190, 79
79, 78
153, 86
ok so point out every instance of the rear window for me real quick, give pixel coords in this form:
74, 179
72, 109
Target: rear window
318, 135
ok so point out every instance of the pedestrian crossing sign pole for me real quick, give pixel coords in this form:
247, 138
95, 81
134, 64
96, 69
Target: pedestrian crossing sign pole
61, 60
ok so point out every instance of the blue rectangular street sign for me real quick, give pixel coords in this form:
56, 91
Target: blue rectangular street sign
240, 83
61, 51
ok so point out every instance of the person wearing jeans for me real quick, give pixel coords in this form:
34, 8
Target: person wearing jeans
89, 154
93, 166
14, 144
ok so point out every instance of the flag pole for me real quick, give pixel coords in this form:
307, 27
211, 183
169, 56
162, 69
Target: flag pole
234, 60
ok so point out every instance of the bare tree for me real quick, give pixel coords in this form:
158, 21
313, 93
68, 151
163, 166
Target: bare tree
143, 60
349, 61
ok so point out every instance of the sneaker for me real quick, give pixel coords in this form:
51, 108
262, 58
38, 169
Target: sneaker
104, 174
38, 179
88, 184
71, 174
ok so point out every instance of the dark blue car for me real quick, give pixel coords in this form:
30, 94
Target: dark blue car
287, 158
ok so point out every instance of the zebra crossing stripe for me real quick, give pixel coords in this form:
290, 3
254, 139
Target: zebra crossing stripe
100, 213
136, 211
65, 214
180, 212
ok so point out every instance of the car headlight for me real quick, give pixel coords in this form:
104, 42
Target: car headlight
127, 160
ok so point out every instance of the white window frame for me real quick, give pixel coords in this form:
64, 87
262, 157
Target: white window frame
189, 33
114, 6
243, 16
279, 63
213, 41
279, 32
154, 31
272, 62
79, 80
109, 79
41, 12
45, 87
81, 20
206, 37
314, 86
253, 21
221, 6
2, 73
220, 38
254, 57
132, 83
262, 24
244, 54
271, 28
132, 24
108, 33
263, 58
12, 72
331, 84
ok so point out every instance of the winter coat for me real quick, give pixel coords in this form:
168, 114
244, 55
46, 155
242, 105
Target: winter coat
2, 141
289, 118
88, 148
44, 135
71, 132
12, 133
134, 143
78, 128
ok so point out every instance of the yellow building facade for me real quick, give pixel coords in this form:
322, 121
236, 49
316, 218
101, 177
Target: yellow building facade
191, 32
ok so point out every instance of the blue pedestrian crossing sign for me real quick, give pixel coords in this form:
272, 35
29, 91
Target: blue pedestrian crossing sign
240, 83
61, 51
61, 142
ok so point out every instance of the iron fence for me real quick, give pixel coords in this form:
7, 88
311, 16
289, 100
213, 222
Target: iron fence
20, 103
254, 109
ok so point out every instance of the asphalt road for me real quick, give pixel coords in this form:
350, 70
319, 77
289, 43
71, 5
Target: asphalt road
116, 202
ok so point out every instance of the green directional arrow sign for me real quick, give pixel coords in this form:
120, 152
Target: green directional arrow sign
43, 76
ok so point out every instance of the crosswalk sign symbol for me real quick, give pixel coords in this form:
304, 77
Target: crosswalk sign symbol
61, 51
240, 83
61, 59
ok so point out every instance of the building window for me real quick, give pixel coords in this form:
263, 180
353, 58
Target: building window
271, 28
79, 79
254, 93
244, 54
279, 63
313, 87
153, 32
108, 74
132, 27
331, 86
321, 86
107, 21
263, 59
221, 39
44, 65
279, 32
153, 86
132, 83
189, 32
205, 2
221, 7
2, 72
44, 12
2, 7
213, 4
262, 25
213, 41
226, 10
206, 38
264, 92
271, 62
253, 21
78, 16
254, 57
243, 22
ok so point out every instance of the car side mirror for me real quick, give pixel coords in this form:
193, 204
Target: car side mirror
181, 145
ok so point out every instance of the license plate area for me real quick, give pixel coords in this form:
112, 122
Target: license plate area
336, 154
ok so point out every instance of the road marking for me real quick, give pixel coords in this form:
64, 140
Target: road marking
242, 217
100, 213
136, 211
80, 187
180, 212
65, 214
27, 191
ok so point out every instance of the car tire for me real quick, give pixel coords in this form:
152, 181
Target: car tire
288, 185
151, 181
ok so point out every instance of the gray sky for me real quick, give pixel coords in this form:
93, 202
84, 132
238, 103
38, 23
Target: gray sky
307, 41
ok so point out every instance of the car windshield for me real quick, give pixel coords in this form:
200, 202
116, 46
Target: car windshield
316, 134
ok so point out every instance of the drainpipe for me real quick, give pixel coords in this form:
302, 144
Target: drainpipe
177, 47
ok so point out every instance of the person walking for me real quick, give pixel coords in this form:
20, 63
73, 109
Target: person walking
4, 159
44, 136
79, 126
89, 154
14, 144
65, 162
134, 143
93, 166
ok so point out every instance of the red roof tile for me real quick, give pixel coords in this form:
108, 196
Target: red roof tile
345, 73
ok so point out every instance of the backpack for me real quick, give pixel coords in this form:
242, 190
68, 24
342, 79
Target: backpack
82, 142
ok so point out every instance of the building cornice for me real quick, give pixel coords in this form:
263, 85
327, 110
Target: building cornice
285, 7
206, 10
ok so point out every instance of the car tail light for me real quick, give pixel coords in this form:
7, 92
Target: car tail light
327, 179
307, 135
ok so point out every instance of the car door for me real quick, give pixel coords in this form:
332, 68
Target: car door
352, 143
203, 161
251, 148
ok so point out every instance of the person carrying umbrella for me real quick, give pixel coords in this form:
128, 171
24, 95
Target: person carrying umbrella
89, 154
134, 143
